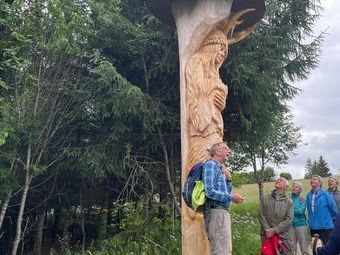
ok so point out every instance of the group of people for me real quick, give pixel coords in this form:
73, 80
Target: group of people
282, 217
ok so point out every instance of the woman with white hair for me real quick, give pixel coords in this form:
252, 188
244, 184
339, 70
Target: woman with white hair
299, 220
334, 191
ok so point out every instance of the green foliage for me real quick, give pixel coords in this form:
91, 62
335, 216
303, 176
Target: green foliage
37, 169
88, 84
264, 175
95, 163
288, 176
3, 134
280, 141
6, 182
260, 73
5, 122
125, 99
140, 236
240, 178
317, 167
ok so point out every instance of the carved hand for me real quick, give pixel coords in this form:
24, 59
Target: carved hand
219, 99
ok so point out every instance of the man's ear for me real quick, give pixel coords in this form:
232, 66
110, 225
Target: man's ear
218, 153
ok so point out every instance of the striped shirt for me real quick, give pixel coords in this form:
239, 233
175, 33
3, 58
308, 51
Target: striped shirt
314, 193
216, 187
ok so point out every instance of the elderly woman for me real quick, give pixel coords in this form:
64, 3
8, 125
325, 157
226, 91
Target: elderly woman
334, 191
299, 220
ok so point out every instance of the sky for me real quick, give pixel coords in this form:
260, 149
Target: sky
317, 107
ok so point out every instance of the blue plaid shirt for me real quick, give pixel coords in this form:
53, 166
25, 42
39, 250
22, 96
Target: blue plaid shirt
217, 188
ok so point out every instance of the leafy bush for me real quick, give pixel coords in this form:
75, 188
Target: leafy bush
144, 231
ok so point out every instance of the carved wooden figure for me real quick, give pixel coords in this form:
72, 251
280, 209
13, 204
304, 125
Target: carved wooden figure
205, 29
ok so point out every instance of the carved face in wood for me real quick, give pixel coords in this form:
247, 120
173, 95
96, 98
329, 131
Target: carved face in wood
218, 42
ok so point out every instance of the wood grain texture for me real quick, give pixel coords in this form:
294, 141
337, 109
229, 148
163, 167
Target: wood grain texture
205, 99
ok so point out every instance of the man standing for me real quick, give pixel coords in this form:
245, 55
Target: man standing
276, 216
218, 192
321, 210
333, 190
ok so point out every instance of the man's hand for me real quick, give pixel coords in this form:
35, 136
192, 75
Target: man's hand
226, 171
301, 199
318, 243
237, 199
269, 232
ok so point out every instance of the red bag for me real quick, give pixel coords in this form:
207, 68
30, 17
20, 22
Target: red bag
270, 246
273, 246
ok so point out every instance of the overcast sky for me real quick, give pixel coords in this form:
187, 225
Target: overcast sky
317, 107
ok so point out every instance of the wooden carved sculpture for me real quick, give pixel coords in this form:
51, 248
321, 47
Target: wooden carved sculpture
205, 92
206, 96
205, 28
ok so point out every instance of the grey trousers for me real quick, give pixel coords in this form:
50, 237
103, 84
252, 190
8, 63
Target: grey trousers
301, 236
218, 228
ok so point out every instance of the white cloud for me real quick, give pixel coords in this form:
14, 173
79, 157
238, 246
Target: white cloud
337, 50
317, 108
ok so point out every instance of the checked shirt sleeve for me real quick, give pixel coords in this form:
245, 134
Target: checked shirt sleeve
214, 189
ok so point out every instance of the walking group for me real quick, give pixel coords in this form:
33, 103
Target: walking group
283, 222
284, 227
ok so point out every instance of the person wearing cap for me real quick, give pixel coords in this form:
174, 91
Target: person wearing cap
299, 221
333, 184
276, 216
321, 210
219, 196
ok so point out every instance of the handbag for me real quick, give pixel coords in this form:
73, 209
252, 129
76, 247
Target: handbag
273, 246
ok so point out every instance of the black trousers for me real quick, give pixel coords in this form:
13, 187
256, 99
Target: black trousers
324, 234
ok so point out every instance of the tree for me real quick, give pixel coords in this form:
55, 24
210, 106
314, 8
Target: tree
109, 80
266, 175
262, 68
308, 167
274, 148
287, 176
46, 76
261, 72
319, 167
324, 170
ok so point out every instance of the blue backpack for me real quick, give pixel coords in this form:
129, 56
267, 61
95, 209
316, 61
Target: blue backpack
195, 177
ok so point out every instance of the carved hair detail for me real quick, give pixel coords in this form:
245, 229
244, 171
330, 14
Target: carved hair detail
216, 36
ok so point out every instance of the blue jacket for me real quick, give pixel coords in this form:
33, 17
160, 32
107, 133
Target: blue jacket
324, 210
217, 189
299, 211
333, 245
